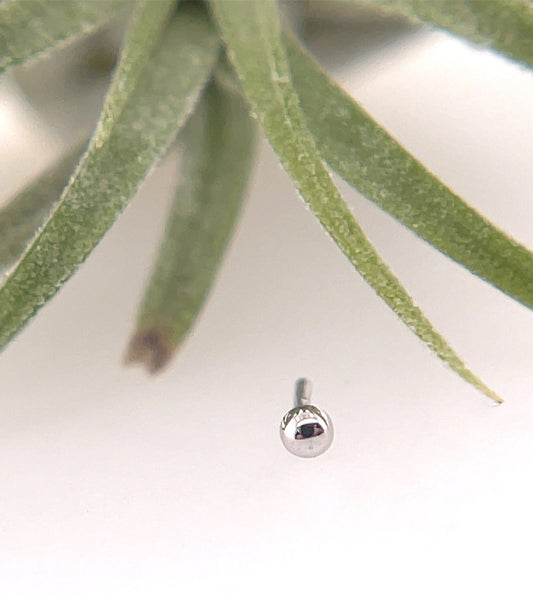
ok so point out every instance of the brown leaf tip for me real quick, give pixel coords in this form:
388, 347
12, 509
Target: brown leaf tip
151, 348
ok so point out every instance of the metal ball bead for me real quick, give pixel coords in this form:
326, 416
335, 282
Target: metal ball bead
306, 431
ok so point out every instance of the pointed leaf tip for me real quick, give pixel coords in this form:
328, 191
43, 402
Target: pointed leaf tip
252, 33
151, 348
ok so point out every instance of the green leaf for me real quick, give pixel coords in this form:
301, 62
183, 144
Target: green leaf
373, 162
144, 30
111, 171
252, 34
504, 25
219, 148
20, 219
23, 214
31, 27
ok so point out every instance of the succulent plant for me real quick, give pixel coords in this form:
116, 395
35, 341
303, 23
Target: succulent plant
213, 74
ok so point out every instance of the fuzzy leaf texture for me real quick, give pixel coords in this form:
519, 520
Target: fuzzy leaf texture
20, 218
30, 27
252, 33
504, 25
110, 173
219, 142
144, 29
368, 158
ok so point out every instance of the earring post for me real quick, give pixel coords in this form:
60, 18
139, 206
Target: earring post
302, 392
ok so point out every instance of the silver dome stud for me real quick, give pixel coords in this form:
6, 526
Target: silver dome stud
306, 431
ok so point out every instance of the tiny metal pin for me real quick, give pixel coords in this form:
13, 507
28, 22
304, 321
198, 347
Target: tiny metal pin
302, 392
306, 431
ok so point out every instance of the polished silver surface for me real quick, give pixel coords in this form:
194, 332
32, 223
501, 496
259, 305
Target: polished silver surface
306, 431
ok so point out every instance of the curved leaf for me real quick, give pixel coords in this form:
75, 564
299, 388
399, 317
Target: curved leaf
504, 25
144, 30
219, 149
111, 171
252, 34
31, 27
367, 157
23, 214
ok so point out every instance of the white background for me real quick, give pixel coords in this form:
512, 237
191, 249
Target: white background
113, 482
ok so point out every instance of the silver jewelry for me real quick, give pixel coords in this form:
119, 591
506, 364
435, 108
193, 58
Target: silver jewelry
306, 431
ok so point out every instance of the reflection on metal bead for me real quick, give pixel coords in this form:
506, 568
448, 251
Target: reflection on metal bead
306, 431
